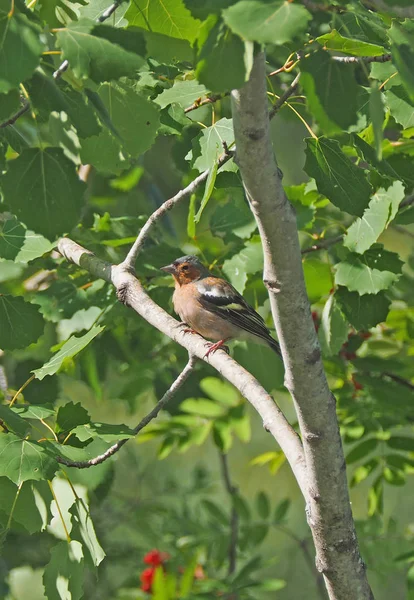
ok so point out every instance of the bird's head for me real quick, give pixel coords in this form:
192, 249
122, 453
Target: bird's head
186, 269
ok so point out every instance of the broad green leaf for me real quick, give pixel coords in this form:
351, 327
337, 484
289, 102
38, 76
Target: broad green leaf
105, 431
13, 421
169, 17
368, 154
135, 118
361, 450
104, 152
21, 323
22, 460
335, 41
401, 443
402, 49
363, 25
263, 505
84, 531
33, 412
91, 53
331, 91
9, 104
337, 178
248, 261
12, 236
28, 507
20, 46
363, 312
70, 416
184, 93
381, 211
210, 142
202, 407
377, 113
369, 273
220, 391
333, 330
318, 278
34, 246
68, 350
362, 472
96, 8
273, 21
401, 106
65, 571
208, 190
48, 180
234, 217
221, 60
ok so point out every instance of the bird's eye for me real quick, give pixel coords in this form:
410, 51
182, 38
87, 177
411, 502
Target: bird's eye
184, 268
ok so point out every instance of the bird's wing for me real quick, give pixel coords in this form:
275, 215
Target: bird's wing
219, 297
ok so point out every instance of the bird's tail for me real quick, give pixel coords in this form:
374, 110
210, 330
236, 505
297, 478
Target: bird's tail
274, 346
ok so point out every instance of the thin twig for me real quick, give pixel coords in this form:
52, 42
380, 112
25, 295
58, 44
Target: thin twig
209, 100
398, 379
175, 386
285, 96
365, 59
25, 107
323, 245
131, 257
234, 519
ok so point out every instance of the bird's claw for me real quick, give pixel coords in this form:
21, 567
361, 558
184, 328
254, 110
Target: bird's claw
217, 346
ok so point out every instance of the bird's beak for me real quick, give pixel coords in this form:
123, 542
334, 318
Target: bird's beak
169, 269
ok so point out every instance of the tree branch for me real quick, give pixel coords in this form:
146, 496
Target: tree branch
131, 292
12, 120
234, 519
328, 508
323, 244
287, 94
175, 386
365, 59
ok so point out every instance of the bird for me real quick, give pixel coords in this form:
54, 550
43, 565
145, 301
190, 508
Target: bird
213, 308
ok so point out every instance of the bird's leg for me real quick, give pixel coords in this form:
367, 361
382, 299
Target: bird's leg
187, 328
217, 346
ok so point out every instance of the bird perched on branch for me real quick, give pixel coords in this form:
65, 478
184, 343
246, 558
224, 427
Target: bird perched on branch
212, 307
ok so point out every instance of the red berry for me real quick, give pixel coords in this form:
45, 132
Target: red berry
147, 577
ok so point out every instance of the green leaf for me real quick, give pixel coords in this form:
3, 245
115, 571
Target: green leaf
402, 37
363, 312
273, 21
104, 152
369, 273
28, 506
220, 391
184, 93
12, 236
66, 569
105, 431
210, 143
135, 118
240, 423
33, 412
70, 416
364, 471
20, 46
318, 278
377, 114
21, 323
263, 505
169, 17
333, 331
281, 511
84, 45
401, 106
343, 183
399, 442
23, 460
9, 104
361, 450
331, 91
68, 350
83, 530
233, 218
191, 227
222, 434
271, 585
381, 211
202, 407
208, 190
376, 497
221, 60
216, 512
13, 421
248, 261
48, 180
335, 41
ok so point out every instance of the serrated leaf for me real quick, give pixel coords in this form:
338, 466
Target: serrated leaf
69, 349
48, 180
363, 312
22, 460
66, 569
335, 41
12, 236
331, 91
33, 412
184, 93
343, 183
273, 21
381, 211
210, 142
20, 41
369, 273
21, 323
91, 55
70, 416
169, 17
105, 431
202, 407
333, 330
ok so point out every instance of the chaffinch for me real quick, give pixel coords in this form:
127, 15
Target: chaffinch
214, 308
